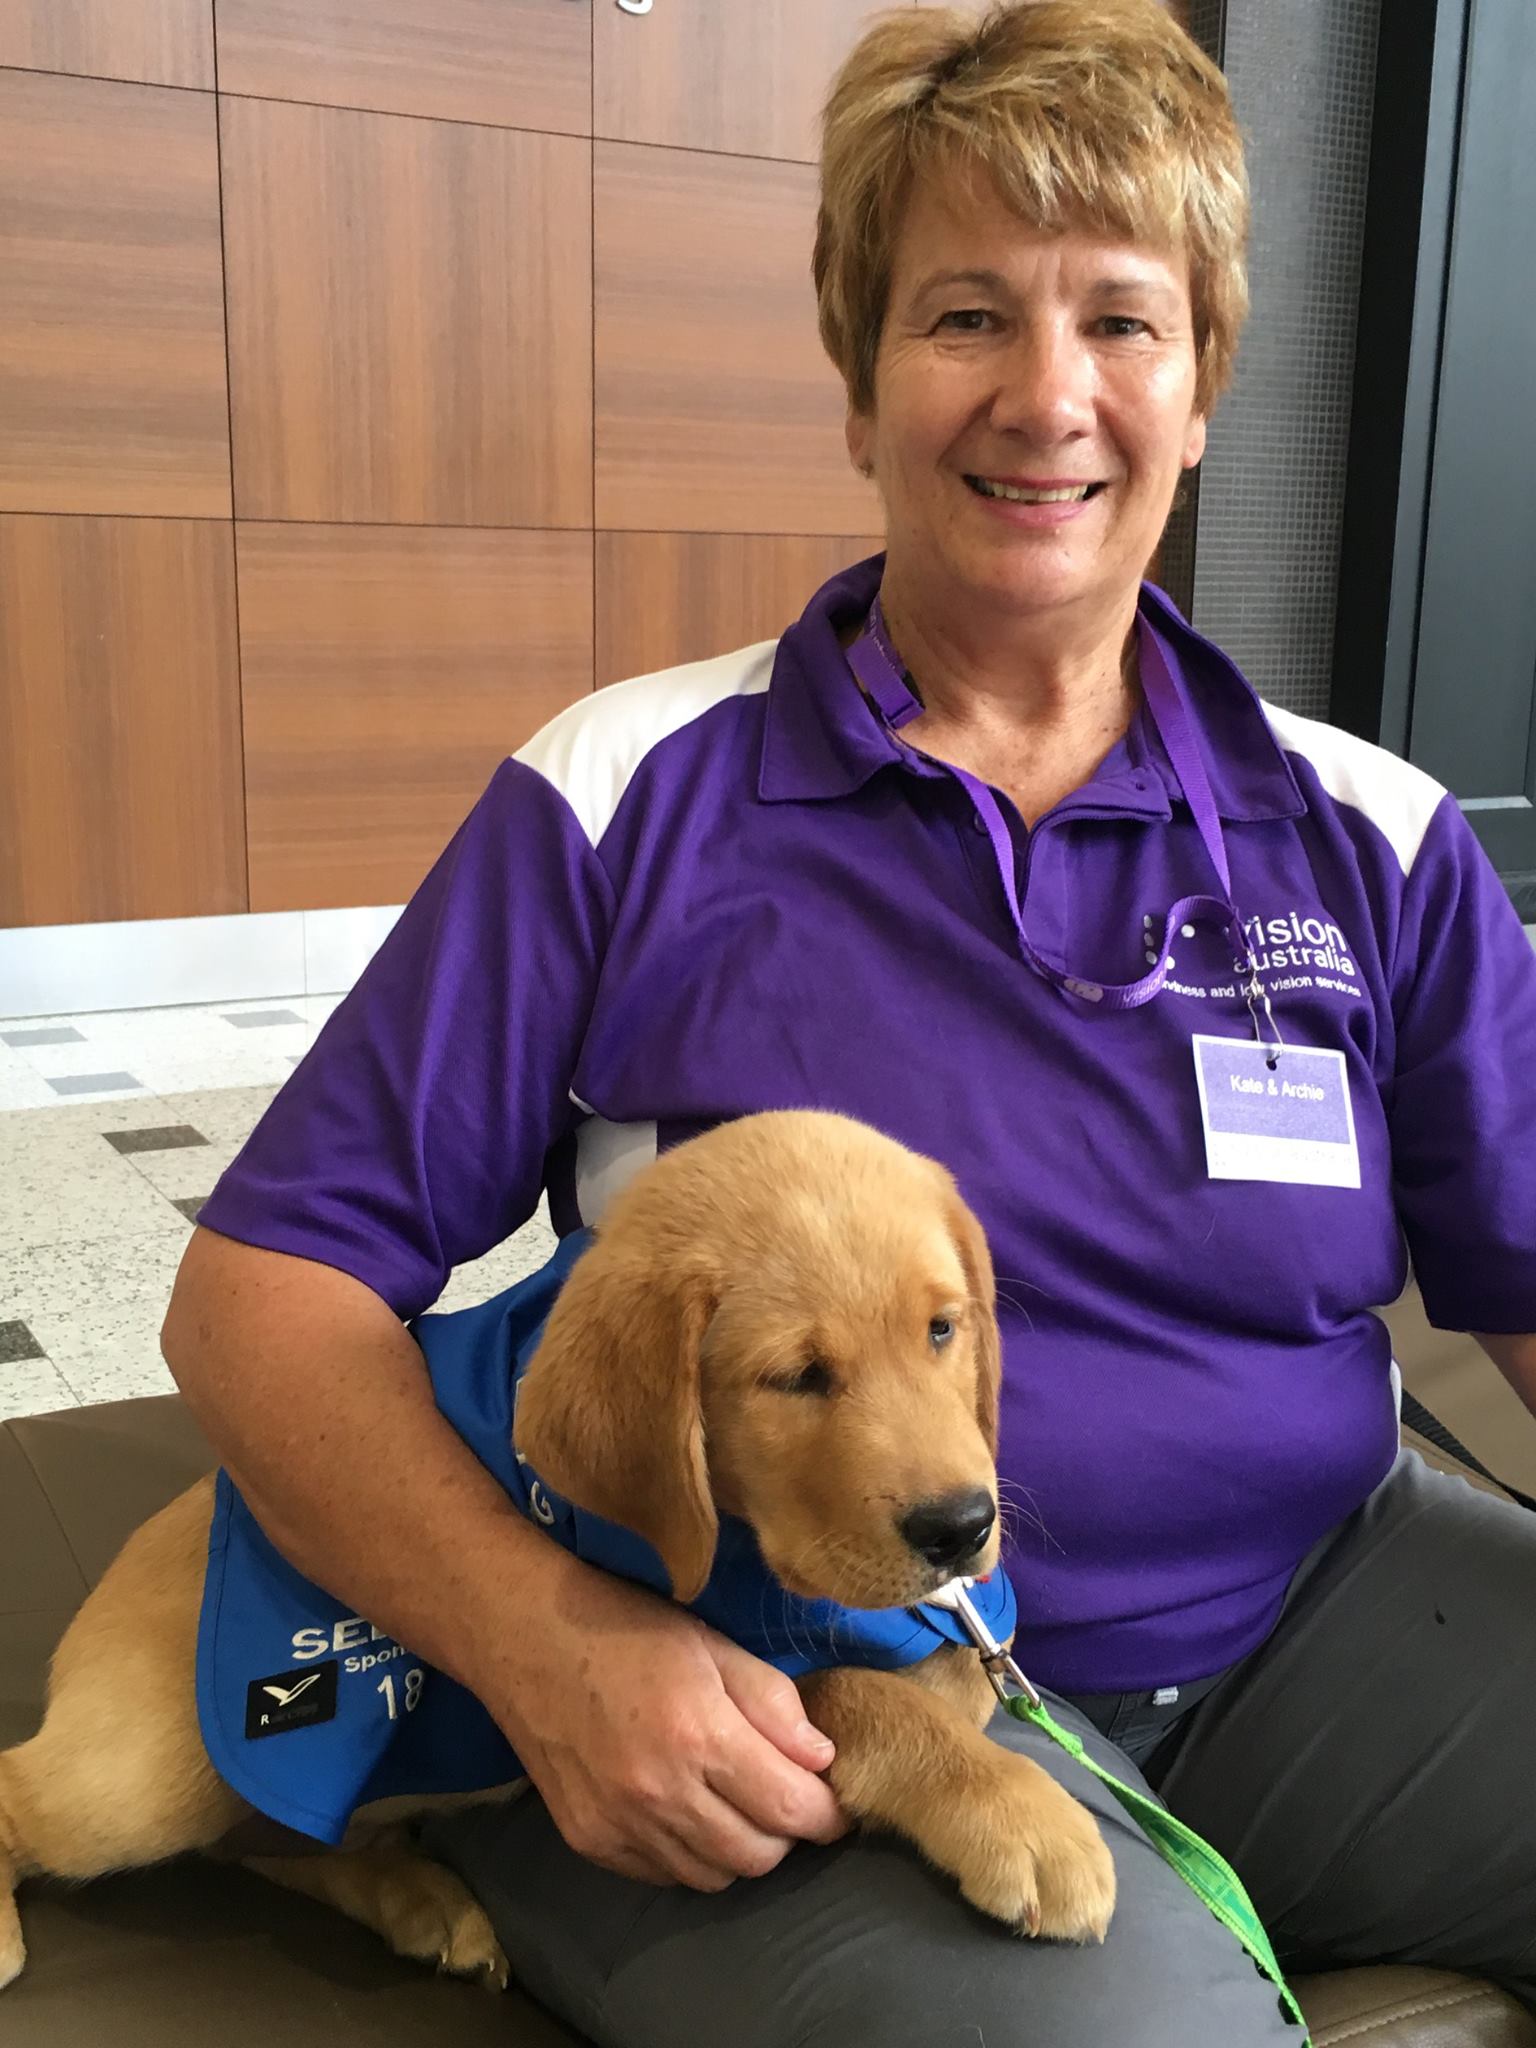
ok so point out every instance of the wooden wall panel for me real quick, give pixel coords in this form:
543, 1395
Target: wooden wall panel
161, 42
697, 74
669, 597
522, 63
386, 672
112, 386
715, 408
120, 791
410, 319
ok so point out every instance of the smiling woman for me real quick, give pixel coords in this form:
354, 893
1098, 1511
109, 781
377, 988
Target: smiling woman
1029, 264
930, 860
1031, 417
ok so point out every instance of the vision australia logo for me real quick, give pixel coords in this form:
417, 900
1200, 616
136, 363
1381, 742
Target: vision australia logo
1292, 951
1280, 944
282, 1702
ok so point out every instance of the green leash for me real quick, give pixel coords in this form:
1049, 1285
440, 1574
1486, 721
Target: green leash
1209, 1876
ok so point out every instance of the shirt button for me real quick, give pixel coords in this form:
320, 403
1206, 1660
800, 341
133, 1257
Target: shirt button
978, 822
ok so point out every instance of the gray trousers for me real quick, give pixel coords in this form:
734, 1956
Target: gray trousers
1369, 1772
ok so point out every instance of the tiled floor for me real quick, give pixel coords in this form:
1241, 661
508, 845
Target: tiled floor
113, 1128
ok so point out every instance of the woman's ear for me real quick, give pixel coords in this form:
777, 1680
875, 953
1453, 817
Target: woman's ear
859, 434
609, 1414
970, 1241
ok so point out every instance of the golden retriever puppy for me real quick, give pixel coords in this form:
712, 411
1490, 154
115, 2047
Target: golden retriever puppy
788, 1321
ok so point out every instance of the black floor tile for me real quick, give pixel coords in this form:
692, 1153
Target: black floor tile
162, 1138
16, 1343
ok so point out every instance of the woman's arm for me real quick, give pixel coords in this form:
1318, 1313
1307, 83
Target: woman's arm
1516, 1359
316, 1398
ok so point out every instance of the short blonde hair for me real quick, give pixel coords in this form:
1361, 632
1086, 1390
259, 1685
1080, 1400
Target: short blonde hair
1101, 114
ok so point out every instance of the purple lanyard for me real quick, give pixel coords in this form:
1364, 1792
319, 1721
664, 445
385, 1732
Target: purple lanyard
875, 663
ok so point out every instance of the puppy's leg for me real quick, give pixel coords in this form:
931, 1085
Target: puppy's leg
912, 1758
422, 1909
117, 1775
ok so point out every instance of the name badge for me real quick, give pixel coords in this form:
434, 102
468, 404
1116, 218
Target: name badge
1289, 1122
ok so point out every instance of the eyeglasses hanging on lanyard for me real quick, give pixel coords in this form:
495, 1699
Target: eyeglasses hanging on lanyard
878, 668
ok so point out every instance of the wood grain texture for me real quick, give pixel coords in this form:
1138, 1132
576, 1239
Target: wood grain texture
112, 386
386, 673
409, 319
663, 598
160, 42
699, 74
715, 408
519, 63
120, 792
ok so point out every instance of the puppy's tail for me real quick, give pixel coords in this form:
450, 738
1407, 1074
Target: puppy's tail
14, 1865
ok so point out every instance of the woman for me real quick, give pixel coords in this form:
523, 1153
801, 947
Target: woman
982, 863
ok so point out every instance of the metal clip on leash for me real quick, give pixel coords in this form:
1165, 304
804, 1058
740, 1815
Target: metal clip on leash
995, 1658
1210, 1878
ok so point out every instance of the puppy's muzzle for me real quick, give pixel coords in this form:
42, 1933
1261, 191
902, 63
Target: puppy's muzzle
950, 1530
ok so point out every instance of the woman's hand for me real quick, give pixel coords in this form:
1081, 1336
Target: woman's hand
662, 1750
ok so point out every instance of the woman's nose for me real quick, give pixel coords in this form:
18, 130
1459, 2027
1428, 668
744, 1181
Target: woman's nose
1045, 386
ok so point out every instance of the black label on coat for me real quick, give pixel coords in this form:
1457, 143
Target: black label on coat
291, 1699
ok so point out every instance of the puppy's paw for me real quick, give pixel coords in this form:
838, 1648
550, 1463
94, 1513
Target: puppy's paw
1036, 1861
13, 1950
436, 1919
473, 1951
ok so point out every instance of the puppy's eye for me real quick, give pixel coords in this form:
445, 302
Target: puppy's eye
940, 1330
813, 1378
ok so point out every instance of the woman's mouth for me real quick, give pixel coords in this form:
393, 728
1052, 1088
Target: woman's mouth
1033, 494
1041, 507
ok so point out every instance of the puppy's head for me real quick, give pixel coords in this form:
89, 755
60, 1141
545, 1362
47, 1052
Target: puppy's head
789, 1319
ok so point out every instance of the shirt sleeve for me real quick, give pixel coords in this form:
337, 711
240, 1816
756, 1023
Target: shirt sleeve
1463, 1106
414, 1135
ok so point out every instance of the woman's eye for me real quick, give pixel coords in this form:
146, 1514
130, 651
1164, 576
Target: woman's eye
1123, 326
966, 320
940, 1330
813, 1378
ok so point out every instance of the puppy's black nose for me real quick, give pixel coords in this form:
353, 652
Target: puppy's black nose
946, 1531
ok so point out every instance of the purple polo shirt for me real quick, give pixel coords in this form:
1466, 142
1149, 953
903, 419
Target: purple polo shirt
726, 888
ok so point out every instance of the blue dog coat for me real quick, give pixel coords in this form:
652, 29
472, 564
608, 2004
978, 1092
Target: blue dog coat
309, 1712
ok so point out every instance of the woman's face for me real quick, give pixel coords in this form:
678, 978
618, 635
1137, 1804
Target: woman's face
1016, 362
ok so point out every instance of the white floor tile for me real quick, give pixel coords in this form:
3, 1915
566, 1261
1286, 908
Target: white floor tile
185, 1048
119, 1372
88, 1056
78, 1123
225, 1116
169, 1072
82, 1295
22, 1087
69, 1188
189, 1170
99, 1025
33, 1387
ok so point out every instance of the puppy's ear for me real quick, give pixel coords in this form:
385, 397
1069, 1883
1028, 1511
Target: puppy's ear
609, 1411
970, 1241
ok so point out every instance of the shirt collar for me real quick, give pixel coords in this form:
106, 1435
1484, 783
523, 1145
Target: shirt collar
822, 740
